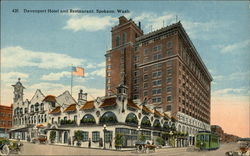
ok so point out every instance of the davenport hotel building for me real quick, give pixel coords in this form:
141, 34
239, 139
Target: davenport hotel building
157, 86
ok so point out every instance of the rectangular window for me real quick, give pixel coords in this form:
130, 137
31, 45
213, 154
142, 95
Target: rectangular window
169, 89
136, 58
85, 136
169, 71
9, 123
169, 108
169, 44
157, 56
109, 73
169, 52
156, 83
10, 114
145, 85
75, 118
169, 98
156, 74
157, 48
145, 51
156, 99
108, 66
156, 91
52, 120
145, 69
108, 136
95, 136
145, 77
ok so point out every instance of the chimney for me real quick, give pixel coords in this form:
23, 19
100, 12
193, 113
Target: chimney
139, 25
122, 20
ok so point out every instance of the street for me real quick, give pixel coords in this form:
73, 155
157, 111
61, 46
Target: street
41, 149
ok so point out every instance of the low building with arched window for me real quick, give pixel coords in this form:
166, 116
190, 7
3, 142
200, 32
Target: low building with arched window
97, 123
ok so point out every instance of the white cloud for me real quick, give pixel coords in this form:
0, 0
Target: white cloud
89, 23
233, 76
100, 72
230, 92
154, 20
195, 29
103, 64
55, 76
234, 47
19, 57
13, 76
200, 29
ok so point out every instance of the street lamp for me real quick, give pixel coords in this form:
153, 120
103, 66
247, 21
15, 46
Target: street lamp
138, 132
104, 130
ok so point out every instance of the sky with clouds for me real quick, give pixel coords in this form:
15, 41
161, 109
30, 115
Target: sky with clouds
41, 47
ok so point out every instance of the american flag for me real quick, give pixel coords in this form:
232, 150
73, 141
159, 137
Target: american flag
79, 71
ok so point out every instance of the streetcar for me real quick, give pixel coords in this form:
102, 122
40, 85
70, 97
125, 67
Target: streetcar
205, 140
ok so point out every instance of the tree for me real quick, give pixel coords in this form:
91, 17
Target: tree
160, 141
118, 140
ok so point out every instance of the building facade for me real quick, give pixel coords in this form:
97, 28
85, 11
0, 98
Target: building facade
156, 85
162, 68
5, 120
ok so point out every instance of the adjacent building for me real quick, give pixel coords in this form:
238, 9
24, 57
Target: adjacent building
162, 68
5, 120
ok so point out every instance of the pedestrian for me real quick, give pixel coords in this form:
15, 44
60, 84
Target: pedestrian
110, 143
100, 142
89, 143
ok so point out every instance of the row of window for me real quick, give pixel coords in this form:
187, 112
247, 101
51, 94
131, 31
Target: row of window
119, 41
3, 115
3, 123
96, 136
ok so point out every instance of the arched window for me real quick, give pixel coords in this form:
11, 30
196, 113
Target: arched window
42, 107
157, 124
88, 119
145, 122
108, 117
166, 126
32, 108
37, 107
131, 119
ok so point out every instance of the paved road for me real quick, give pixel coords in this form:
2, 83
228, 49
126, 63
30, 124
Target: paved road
39, 149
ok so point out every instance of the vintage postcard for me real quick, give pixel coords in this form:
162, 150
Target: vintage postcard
125, 78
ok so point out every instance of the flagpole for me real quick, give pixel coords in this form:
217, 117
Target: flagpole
71, 77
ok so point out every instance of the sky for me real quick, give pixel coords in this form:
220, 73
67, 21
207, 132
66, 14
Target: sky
40, 48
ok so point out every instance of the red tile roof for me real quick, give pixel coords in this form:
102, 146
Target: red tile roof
157, 113
174, 118
147, 110
166, 116
132, 104
70, 108
50, 98
39, 126
56, 110
108, 102
88, 105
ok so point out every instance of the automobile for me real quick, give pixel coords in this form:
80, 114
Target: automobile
9, 146
243, 148
144, 146
40, 139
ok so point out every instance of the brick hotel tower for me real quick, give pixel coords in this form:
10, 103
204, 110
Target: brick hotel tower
162, 66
